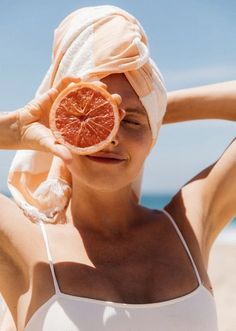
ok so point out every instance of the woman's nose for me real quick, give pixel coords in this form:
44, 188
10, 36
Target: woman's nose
115, 141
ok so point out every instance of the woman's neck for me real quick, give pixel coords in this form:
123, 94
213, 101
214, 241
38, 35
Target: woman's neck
106, 213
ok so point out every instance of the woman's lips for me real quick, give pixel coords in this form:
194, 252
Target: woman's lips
110, 158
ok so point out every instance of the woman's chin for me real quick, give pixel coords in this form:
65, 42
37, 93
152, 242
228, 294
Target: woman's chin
103, 183
102, 177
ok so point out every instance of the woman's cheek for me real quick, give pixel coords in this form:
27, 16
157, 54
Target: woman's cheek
139, 136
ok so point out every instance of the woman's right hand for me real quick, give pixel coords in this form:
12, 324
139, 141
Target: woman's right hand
33, 123
28, 127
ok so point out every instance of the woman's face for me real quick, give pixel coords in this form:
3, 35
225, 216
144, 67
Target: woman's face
132, 143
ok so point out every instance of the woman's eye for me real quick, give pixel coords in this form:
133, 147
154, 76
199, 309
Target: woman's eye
130, 121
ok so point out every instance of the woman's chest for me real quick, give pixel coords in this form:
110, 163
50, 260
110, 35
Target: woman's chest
153, 267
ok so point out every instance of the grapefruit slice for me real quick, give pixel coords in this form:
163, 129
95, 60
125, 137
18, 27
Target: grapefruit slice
84, 117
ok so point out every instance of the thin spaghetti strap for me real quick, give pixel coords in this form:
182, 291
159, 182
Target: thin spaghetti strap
185, 245
57, 289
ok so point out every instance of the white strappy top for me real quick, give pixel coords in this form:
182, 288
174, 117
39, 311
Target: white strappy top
195, 311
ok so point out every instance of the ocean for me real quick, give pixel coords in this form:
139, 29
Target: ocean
155, 201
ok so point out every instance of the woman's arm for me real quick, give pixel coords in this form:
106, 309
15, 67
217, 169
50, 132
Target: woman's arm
9, 136
215, 101
212, 192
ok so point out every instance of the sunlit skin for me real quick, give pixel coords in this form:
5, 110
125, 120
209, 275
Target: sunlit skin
102, 200
105, 209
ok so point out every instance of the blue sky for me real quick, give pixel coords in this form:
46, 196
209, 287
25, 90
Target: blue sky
192, 42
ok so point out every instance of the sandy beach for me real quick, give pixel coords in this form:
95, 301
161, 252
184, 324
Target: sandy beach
222, 272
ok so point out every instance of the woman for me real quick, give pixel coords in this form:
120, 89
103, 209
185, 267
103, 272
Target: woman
106, 262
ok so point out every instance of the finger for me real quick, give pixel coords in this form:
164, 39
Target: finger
62, 152
45, 100
117, 98
100, 84
66, 81
71, 84
50, 145
122, 113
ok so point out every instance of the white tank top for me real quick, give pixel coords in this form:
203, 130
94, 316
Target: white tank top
195, 311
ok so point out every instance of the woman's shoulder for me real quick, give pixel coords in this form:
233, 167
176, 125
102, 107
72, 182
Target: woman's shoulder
13, 223
16, 235
186, 219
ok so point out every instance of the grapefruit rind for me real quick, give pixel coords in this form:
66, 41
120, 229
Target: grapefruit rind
58, 135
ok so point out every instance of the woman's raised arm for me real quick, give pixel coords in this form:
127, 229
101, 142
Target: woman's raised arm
213, 190
215, 101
